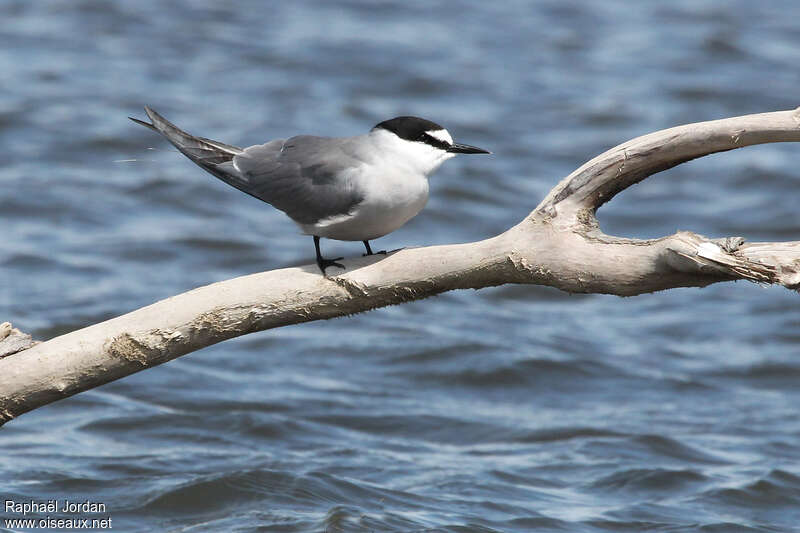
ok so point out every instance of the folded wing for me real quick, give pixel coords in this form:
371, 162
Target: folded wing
309, 178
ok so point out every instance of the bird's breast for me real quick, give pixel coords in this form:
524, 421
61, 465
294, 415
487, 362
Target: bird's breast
393, 189
392, 197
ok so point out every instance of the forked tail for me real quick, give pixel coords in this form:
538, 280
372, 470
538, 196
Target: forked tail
204, 152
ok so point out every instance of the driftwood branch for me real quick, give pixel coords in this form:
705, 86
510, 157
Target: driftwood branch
558, 244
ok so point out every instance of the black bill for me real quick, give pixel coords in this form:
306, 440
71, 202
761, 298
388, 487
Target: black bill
457, 148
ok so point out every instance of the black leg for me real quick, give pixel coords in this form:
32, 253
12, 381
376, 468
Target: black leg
369, 250
323, 263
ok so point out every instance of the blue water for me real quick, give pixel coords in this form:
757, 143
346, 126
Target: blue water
514, 409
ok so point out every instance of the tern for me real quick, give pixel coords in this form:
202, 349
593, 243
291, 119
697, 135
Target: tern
342, 188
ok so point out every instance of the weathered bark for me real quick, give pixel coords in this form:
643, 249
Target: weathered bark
558, 244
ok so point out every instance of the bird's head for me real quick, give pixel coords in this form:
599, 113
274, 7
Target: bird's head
423, 143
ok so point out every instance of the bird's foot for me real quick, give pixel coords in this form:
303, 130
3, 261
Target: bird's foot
325, 263
382, 252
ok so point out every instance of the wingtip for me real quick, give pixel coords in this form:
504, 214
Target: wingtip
153, 114
143, 123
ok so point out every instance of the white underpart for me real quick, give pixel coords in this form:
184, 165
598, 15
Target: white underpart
393, 178
442, 135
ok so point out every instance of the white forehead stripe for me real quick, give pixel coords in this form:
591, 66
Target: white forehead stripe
442, 135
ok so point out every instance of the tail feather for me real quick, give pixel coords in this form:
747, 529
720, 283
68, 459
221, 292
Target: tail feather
204, 152
212, 156
143, 123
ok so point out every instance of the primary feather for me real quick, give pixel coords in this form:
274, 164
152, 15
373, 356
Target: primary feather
301, 186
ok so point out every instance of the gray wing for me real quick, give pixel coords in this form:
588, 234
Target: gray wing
309, 178
306, 177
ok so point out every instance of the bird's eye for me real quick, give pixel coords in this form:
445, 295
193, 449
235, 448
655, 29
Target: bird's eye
433, 141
